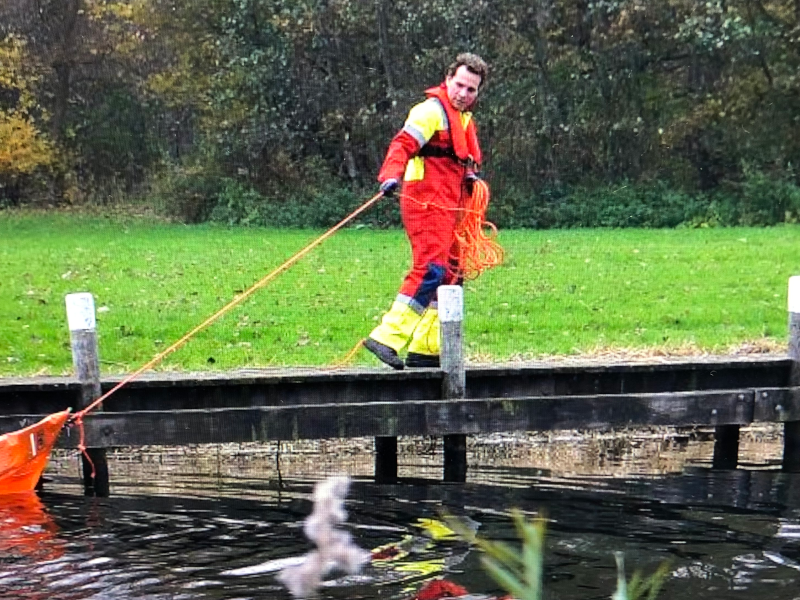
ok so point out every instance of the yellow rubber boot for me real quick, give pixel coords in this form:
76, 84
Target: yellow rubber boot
423, 351
397, 326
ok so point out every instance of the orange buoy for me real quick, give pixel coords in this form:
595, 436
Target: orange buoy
24, 453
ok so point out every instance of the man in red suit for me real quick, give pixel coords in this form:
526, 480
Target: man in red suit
435, 158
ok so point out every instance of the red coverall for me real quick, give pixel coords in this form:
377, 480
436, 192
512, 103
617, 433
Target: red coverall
432, 155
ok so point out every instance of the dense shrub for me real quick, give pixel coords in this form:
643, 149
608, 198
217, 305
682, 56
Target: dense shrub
766, 200
193, 195
514, 208
623, 205
238, 204
757, 200
186, 193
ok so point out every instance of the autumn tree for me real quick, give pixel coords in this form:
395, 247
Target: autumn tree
24, 147
86, 58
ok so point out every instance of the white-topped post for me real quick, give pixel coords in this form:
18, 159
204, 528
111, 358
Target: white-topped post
83, 340
80, 312
791, 429
451, 317
794, 327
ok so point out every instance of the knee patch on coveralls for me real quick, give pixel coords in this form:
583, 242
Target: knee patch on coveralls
426, 291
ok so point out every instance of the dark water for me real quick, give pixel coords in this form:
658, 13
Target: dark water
727, 534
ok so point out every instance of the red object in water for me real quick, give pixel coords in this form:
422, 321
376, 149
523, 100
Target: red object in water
440, 588
24, 453
385, 553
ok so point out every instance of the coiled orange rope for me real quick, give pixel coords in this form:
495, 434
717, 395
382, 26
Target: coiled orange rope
473, 251
476, 251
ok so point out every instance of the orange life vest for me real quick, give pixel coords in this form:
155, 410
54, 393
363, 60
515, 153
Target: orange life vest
448, 155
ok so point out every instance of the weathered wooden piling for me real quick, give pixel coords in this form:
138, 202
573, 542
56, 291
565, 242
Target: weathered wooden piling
791, 429
85, 359
385, 459
454, 382
726, 447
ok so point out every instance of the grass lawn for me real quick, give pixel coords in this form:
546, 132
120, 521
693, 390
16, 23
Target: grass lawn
559, 292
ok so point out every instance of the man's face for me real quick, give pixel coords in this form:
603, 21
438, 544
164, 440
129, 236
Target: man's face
462, 88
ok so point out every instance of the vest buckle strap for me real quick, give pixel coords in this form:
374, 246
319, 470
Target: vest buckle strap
429, 151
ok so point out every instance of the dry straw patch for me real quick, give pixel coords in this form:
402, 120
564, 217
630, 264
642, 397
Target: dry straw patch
614, 354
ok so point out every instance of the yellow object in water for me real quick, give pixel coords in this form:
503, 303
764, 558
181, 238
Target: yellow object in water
436, 529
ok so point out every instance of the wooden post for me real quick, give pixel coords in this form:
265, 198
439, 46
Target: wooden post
454, 382
726, 447
791, 429
385, 459
83, 339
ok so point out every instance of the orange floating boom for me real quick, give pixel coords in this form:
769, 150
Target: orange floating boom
24, 453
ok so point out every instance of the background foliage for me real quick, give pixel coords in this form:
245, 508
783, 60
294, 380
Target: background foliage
277, 112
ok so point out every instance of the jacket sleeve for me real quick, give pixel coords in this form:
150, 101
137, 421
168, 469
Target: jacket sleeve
423, 121
402, 148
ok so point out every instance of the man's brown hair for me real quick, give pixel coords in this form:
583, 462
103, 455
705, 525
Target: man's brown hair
473, 62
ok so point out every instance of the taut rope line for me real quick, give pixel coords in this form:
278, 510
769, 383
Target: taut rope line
233, 303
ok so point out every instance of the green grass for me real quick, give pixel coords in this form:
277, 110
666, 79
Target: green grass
559, 292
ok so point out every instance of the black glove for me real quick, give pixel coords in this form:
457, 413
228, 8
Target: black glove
472, 177
389, 187
469, 179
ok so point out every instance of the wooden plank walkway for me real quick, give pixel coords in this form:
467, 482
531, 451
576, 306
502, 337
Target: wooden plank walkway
276, 405
264, 405
436, 417
456, 401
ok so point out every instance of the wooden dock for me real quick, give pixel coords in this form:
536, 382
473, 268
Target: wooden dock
293, 404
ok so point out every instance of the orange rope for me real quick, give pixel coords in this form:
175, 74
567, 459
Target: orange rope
233, 303
346, 360
476, 251
78, 420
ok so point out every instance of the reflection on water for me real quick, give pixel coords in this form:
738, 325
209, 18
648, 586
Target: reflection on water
640, 452
215, 523
26, 530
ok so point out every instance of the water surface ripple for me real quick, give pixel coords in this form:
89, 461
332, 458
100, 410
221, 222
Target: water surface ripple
727, 534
